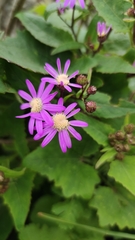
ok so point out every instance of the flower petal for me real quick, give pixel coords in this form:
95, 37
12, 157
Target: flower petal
39, 126
59, 66
50, 80
75, 85
50, 97
24, 106
47, 91
78, 123
50, 70
70, 108
75, 133
67, 138
62, 142
73, 113
24, 115
54, 107
31, 88
73, 74
25, 95
31, 125
66, 67
68, 88
46, 117
49, 137
41, 89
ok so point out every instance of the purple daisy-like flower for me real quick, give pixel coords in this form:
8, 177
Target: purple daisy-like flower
39, 103
71, 3
60, 78
102, 30
63, 126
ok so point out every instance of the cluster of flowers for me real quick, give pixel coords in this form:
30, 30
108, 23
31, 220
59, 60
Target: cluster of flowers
47, 119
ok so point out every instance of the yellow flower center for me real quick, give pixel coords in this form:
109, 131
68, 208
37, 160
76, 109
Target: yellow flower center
36, 105
60, 121
63, 78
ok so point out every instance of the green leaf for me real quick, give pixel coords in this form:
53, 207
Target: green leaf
42, 31
33, 232
4, 87
114, 206
65, 169
18, 198
113, 64
25, 51
124, 172
113, 13
106, 157
11, 173
83, 64
6, 222
69, 210
98, 130
67, 46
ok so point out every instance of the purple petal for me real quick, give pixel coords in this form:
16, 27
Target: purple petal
25, 95
73, 74
73, 113
66, 67
68, 88
31, 125
39, 126
24, 115
31, 88
78, 123
50, 97
46, 117
59, 65
41, 89
70, 108
54, 107
75, 133
44, 133
72, 3
60, 101
62, 142
50, 80
82, 4
66, 3
75, 85
48, 138
24, 106
50, 70
47, 91
67, 138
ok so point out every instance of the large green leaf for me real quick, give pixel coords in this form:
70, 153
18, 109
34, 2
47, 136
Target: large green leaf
6, 222
98, 130
83, 64
43, 31
113, 64
124, 172
66, 170
113, 13
18, 198
67, 46
33, 232
107, 110
11, 173
114, 206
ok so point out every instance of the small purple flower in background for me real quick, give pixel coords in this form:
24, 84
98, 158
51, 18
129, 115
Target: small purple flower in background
71, 3
63, 127
60, 78
102, 30
38, 103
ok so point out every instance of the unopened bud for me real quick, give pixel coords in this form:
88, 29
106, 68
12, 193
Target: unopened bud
1, 176
120, 135
129, 128
131, 12
111, 136
118, 147
119, 156
91, 90
90, 106
82, 80
126, 147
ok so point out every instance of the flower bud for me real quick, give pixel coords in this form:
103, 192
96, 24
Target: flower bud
90, 106
111, 136
91, 90
129, 128
126, 147
82, 80
120, 135
118, 147
119, 156
131, 12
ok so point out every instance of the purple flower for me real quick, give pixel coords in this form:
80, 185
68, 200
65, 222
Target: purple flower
72, 3
102, 30
60, 78
63, 126
39, 103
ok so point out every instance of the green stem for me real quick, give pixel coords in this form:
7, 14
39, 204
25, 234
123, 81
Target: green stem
88, 228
